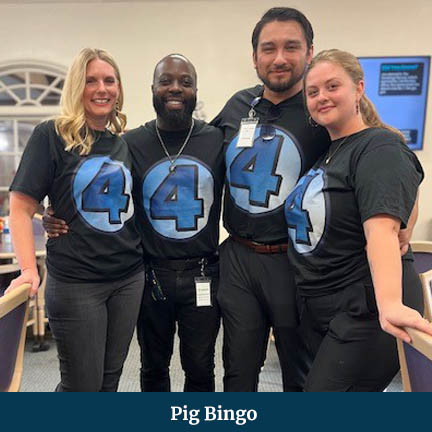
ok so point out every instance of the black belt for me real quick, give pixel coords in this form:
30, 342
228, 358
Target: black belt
262, 248
184, 264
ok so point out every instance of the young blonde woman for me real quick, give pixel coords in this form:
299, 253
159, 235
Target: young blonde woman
344, 217
95, 274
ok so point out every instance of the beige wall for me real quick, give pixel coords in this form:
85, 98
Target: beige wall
215, 35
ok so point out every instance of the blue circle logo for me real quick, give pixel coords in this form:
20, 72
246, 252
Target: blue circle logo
177, 201
261, 177
102, 193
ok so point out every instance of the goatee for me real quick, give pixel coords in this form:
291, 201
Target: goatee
281, 86
177, 119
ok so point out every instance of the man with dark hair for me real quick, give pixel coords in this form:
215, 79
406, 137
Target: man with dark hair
269, 145
283, 14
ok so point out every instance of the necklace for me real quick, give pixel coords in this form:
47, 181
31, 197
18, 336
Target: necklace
173, 160
329, 156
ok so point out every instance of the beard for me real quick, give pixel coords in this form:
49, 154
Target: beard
281, 86
177, 119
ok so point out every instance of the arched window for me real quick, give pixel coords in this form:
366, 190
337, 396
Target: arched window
29, 93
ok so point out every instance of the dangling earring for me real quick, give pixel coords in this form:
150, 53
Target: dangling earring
117, 109
312, 122
357, 108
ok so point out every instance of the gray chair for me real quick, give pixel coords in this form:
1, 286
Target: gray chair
416, 362
423, 263
7, 273
422, 255
13, 319
426, 280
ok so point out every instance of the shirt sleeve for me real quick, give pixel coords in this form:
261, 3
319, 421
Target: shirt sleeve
220, 120
386, 182
35, 173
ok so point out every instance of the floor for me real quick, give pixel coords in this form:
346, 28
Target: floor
41, 371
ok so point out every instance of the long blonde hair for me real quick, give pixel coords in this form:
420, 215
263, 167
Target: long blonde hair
353, 68
71, 124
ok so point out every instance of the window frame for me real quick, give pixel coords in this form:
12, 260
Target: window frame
24, 111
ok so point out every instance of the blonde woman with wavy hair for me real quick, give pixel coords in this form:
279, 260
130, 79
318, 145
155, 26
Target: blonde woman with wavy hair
95, 273
344, 218
72, 124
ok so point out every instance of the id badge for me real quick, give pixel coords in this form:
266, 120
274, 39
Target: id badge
247, 132
203, 292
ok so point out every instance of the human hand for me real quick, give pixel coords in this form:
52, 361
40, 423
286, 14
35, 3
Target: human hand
27, 276
396, 316
404, 240
53, 226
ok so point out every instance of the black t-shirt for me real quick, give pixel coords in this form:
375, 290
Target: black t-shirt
93, 195
372, 172
178, 212
260, 178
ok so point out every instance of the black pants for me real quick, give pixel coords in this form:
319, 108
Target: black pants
197, 330
93, 325
351, 351
257, 291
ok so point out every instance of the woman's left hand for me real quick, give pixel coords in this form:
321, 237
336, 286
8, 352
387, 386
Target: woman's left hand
393, 319
27, 276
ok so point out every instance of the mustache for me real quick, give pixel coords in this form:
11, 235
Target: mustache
173, 98
177, 115
280, 69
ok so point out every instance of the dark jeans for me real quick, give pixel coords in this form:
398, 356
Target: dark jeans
257, 291
93, 324
197, 330
351, 352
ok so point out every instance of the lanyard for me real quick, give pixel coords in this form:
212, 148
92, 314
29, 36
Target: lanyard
253, 104
267, 131
248, 125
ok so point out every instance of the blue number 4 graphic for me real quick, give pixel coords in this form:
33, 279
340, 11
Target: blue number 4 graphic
298, 218
255, 169
177, 198
106, 193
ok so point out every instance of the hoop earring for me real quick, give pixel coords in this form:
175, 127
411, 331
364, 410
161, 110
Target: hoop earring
312, 122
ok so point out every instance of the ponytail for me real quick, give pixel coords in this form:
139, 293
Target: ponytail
372, 119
